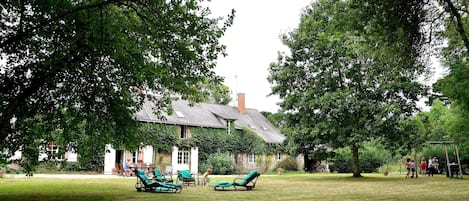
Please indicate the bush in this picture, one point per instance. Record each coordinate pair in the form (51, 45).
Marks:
(371, 156)
(219, 163)
(289, 163)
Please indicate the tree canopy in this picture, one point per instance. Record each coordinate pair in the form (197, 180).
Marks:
(352, 73)
(216, 93)
(79, 70)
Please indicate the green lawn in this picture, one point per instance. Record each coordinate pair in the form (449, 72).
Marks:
(285, 187)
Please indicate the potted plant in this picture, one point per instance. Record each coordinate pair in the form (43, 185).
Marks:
(386, 169)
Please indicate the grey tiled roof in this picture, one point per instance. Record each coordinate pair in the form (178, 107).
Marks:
(213, 116)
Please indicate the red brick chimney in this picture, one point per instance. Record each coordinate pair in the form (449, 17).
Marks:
(241, 103)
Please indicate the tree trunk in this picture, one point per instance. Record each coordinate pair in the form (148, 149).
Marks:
(355, 161)
(308, 162)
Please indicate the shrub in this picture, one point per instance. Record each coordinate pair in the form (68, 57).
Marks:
(372, 156)
(342, 165)
(219, 163)
(288, 163)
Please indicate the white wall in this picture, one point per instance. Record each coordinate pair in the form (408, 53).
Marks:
(148, 154)
(109, 159)
(194, 161)
(16, 156)
(71, 156)
(174, 160)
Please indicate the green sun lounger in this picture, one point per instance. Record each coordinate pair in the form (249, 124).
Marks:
(248, 182)
(159, 177)
(185, 177)
(147, 185)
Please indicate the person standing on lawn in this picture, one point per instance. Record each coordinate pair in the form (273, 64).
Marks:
(412, 166)
(407, 166)
(423, 166)
(430, 166)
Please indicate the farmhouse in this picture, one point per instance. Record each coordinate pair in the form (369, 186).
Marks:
(187, 119)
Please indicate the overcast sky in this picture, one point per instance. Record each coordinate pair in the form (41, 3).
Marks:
(252, 44)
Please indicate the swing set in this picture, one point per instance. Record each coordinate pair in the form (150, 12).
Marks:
(454, 169)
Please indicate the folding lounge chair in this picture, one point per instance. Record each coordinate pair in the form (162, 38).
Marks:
(147, 185)
(185, 177)
(159, 177)
(248, 182)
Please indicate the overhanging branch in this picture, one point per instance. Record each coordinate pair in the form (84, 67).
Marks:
(25, 33)
(459, 25)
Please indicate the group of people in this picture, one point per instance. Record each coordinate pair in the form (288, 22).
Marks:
(427, 167)
(430, 166)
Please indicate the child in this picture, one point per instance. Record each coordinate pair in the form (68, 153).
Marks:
(206, 179)
(435, 165)
(407, 166)
(412, 168)
(430, 166)
(423, 166)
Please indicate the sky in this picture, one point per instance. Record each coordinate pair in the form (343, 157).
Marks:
(253, 42)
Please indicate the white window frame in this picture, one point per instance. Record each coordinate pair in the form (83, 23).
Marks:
(183, 157)
(53, 149)
(279, 156)
(251, 158)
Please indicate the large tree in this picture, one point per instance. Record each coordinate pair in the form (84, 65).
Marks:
(352, 73)
(78, 70)
(455, 53)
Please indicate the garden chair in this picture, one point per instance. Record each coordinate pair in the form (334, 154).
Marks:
(159, 177)
(147, 185)
(185, 177)
(248, 182)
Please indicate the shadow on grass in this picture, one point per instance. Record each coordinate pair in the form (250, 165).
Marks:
(50, 196)
(346, 177)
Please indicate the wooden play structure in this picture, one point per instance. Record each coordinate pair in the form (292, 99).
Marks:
(454, 168)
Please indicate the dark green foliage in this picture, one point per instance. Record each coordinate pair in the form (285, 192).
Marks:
(220, 164)
(162, 137)
(248, 141)
(244, 141)
(342, 84)
(372, 156)
(441, 123)
(85, 67)
(212, 141)
(288, 163)
(341, 165)
(271, 149)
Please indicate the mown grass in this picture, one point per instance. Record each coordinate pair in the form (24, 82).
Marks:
(285, 187)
